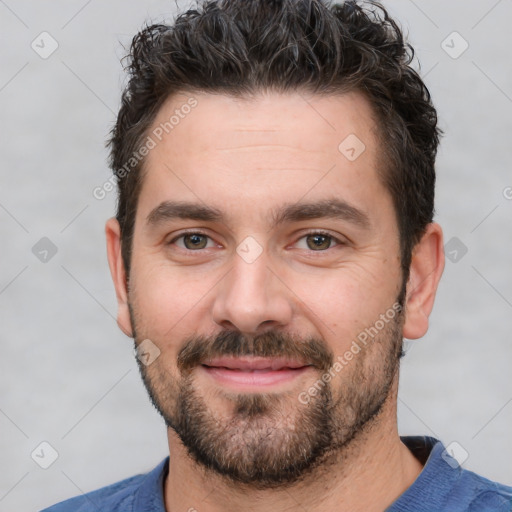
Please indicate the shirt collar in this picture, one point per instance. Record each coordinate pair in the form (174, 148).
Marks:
(438, 473)
(149, 497)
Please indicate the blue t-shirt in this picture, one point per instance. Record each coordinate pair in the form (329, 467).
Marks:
(442, 486)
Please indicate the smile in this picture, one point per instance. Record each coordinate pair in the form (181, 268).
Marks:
(252, 372)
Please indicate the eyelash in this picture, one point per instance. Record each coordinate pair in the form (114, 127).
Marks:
(326, 234)
(311, 233)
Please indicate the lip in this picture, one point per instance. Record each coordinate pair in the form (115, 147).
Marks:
(254, 363)
(253, 373)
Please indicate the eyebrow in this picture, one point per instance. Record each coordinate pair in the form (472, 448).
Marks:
(296, 212)
(170, 210)
(325, 208)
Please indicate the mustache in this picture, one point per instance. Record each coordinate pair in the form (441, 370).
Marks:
(197, 350)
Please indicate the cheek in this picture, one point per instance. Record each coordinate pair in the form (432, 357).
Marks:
(345, 303)
(167, 301)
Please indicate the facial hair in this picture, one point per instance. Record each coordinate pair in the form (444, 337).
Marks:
(270, 440)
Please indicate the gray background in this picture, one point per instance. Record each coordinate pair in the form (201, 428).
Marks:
(68, 375)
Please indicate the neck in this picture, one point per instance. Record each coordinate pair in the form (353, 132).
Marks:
(367, 475)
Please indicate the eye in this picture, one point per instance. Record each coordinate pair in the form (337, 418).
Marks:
(318, 241)
(193, 241)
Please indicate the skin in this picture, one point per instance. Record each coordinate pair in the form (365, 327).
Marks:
(246, 158)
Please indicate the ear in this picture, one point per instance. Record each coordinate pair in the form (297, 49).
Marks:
(117, 270)
(427, 266)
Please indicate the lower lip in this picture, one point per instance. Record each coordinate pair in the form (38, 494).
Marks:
(253, 379)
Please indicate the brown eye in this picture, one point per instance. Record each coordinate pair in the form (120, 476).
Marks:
(193, 241)
(318, 242)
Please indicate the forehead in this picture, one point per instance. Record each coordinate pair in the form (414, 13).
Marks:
(299, 120)
(217, 148)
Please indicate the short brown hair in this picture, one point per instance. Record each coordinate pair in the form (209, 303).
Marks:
(240, 47)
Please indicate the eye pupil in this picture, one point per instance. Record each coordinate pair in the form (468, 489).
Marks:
(194, 241)
(318, 242)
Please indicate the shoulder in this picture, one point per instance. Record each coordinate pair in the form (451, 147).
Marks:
(118, 497)
(444, 486)
(484, 495)
(110, 497)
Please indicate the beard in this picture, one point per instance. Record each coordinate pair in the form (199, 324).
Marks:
(268, 440)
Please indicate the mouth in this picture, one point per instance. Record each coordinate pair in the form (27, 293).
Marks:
(253, 372)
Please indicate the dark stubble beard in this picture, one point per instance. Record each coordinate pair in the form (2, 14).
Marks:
(270, 440)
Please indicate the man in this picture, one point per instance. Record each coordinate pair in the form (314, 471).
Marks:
(273, 244)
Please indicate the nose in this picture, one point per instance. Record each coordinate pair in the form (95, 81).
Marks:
(252, 299)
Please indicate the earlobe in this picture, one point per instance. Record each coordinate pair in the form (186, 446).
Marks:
(426, 268)
(117, 270)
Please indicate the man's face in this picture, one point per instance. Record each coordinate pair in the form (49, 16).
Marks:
(262, 250)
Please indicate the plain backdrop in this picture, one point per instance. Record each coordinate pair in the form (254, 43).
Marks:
(68, 376)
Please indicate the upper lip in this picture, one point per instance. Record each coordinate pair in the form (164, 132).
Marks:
(254, 363)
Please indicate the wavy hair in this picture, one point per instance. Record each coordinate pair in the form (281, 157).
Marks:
(241, 47)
